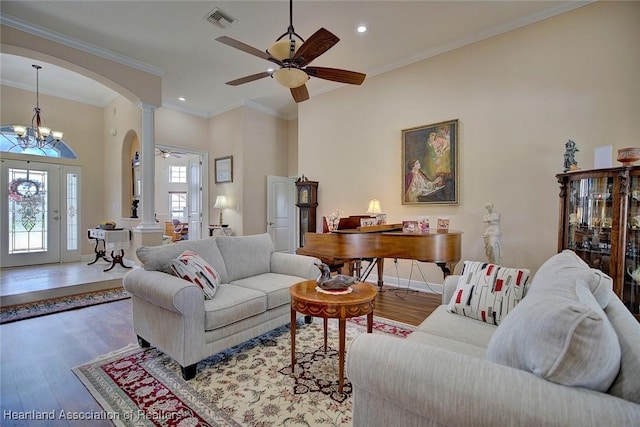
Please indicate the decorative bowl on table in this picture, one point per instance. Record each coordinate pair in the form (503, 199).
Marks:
(107, 225)
(628, 156)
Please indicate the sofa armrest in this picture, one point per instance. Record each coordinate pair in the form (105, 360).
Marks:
(449, 287)
(164, 290)
(453, 389)
(294, 265)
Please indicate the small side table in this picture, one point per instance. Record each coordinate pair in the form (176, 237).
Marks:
(306, 300)
(216, 230)
(116, 239)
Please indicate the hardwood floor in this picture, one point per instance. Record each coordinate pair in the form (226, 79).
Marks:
(37, 354)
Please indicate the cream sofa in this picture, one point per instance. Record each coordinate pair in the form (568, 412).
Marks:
(440, 375)
(253, 298)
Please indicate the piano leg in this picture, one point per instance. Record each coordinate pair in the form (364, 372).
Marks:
(380, 262)
(445, 269)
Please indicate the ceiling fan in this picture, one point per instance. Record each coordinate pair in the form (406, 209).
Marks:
(293, 54)
(165, 154)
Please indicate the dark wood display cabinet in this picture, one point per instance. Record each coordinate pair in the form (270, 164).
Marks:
(600, 221)
(307, 201)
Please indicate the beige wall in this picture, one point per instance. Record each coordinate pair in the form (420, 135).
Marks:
(226, 137)
(265, 153)
(292, 134)
(83, 131)
(259, 144)
(518, 97)
(132, 83)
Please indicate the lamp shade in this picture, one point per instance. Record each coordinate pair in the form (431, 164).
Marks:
(290, 77)
(221, 202)
(374, 207)
(282, 49)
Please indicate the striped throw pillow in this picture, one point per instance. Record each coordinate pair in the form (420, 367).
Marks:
(487, 292)
(190, 266)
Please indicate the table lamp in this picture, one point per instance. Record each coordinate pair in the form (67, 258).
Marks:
(374, 207)
(221, 203)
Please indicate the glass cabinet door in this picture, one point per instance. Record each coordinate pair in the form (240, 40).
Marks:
(591, 220)
(631, 283)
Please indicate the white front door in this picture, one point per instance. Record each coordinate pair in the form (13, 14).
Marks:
(281, 213)
(30, 218)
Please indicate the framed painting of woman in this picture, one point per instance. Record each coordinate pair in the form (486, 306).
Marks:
(430, 164)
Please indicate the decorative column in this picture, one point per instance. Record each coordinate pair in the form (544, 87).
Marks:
(148, 168)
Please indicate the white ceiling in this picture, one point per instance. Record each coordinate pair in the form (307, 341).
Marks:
(174, 39)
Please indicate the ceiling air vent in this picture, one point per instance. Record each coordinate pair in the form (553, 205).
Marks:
(220, 18)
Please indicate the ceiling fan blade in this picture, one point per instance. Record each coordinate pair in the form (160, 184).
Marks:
(300, 93)
(336, 75)
(319, 42)
(246, 48)
(248, 79)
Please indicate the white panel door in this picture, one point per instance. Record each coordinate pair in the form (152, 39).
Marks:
(31, 217)
(194, 202)
(281, 212)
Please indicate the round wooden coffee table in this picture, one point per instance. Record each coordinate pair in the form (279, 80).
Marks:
(305, 299)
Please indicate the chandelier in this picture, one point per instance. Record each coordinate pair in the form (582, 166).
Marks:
(38, 135)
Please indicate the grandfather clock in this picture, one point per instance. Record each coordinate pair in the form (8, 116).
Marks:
(307, 195)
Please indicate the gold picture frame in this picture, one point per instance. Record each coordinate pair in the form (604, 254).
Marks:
(430, 164)
(224, 169)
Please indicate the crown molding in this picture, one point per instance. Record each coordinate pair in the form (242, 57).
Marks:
(45, 33)
(482, 35)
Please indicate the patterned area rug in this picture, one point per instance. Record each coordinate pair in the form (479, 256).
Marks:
(248, 385)
(12, 313)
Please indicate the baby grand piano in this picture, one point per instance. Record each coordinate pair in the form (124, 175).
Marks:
(349, 245)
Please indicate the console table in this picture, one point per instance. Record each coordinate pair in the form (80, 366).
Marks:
(116, 239)
(216, 230)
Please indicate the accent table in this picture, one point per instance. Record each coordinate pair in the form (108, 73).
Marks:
(305, 299)
(115, 239)
(216, 230)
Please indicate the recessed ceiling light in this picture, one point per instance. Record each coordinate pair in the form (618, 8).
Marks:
(362, 29)
(182, 98)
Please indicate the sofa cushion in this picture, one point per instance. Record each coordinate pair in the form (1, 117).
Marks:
(449, 344)
(627, 383)
(568, 265)
(561, 335)
(190, 266)
(159, 258)
(458, 328)
(232, 304)
(455, 333)
(487, 292)
(275, 286)
(246, 256)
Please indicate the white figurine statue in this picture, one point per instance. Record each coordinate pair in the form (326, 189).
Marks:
(492, 235)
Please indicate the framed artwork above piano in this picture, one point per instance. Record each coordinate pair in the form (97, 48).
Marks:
(307, 201)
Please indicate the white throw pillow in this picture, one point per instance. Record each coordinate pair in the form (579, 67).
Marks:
(190, 266)
(487, 292)
(561, 335)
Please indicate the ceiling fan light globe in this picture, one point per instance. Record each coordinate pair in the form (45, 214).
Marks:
(280, 49)
(290, 77)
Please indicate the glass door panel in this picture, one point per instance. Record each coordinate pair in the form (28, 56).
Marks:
(591, 220)
(30, 203)
(631, 283)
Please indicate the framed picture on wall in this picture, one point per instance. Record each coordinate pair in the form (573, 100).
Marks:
(430, 164)
(224, 169)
